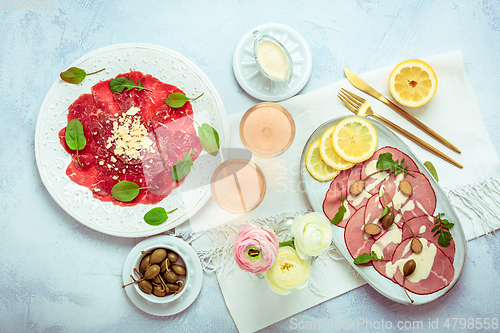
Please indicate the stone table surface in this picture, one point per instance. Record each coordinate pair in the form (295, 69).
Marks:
(58, 275)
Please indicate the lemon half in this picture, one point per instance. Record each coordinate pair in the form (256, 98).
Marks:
(413, 83)
(354, 139)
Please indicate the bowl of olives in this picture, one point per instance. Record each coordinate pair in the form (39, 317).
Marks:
(159, 273)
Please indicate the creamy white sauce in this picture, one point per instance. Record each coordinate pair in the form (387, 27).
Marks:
(379, 177)
(422, 229)
(421, 207)
(391, 236)
(410, 206)
(356, 200)
(347, 213)
(273, 60)
(424, 262)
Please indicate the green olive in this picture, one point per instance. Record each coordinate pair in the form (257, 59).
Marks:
(158, 256)
(152, 272)
(179, 270)
(172, 256)
(145, 286)
(144, 263)
(170, 276)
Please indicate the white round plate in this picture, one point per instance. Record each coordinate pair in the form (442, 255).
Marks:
(254, 82)
(52, 160)
(193, 267)
(316, 191)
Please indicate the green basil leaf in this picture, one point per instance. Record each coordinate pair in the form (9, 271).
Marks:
(75, 75)
(363, 259)
(75, 137)
(117, 85)
(339, 216)
(209, 139)
(432, 170)
(182, 167)
(125, 191)
(178, 99)
(157, 216)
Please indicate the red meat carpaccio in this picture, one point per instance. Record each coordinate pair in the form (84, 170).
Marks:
(133, 136)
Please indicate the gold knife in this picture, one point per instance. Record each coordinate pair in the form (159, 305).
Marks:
(364, 87)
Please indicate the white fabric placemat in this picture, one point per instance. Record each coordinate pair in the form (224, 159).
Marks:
(473, 190)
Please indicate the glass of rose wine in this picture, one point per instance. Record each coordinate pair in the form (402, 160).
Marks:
(267, 129)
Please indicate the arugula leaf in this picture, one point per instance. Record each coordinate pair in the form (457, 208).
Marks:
(125, 191)
(117, 85)
(384, 213)
(441, 227)
(178, 99)
(432, 170)
(75, 137)
(366, 258)
(182, 167)
(157, 216)
(75, 75)
(339, 216)
(385, 162)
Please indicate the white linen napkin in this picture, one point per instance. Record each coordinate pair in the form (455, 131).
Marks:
(473, 190)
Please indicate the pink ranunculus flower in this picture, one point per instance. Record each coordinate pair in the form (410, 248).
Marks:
(255, 248)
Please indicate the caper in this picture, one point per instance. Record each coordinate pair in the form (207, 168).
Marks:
(409, 267)
(372, 229)
(388, 219)
(158, 256)
(357, 187)
(159, 291)
(152, 272)
(144, 263)
(172, 256)
(416, 245)
(170, 276)
(145, 286)
(405, 187)
(172, 287)
(165, 264)
(179, 270)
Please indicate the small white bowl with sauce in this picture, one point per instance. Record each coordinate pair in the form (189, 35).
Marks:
(273, 59)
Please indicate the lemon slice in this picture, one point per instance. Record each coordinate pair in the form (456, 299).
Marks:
(316, 166)
(413, 83)
(329, 155)
(354, 139)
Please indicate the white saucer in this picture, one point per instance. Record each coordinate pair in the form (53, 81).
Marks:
(254, 82)
(193, 266)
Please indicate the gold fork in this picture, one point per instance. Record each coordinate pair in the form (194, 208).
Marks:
(361, 107)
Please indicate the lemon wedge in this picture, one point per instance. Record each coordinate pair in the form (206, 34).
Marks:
(328, 153)
(413, 83)
(316, 166)
(354, 139)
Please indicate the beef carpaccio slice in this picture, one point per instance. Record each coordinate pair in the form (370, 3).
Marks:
(434, 270)
(422, 227)
(170, 132)
(333, 198)
(356, 240)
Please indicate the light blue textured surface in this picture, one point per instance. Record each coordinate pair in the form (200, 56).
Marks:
(57, 275)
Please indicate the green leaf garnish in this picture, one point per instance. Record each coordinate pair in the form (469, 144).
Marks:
(366, 258)
(178, 99)
(432, 170)
(74, 136)
(209, 137)
(75, 75)
(385, 162)
(384, 213)
(125, 191)
(339, 216)
(157, 216)
(182, 167)
(117, 85)
(441, 227)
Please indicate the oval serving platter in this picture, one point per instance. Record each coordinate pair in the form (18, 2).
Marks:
(316, 191)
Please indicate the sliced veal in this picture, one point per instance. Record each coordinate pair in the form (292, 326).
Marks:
(356, 240)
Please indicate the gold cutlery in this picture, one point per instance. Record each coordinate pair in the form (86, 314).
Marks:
(364, 87)
(362, 107)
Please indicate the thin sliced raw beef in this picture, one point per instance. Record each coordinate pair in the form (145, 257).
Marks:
(132, 98)
(421, 227)
(356, 240)
(384, 246)
(373, 183)
(433, 272)
(104, 99)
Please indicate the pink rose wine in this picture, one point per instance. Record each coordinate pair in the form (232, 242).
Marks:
(238, 185)
(267, 129)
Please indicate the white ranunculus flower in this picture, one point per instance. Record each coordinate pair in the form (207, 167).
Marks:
(312, 234)
(289, 272)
